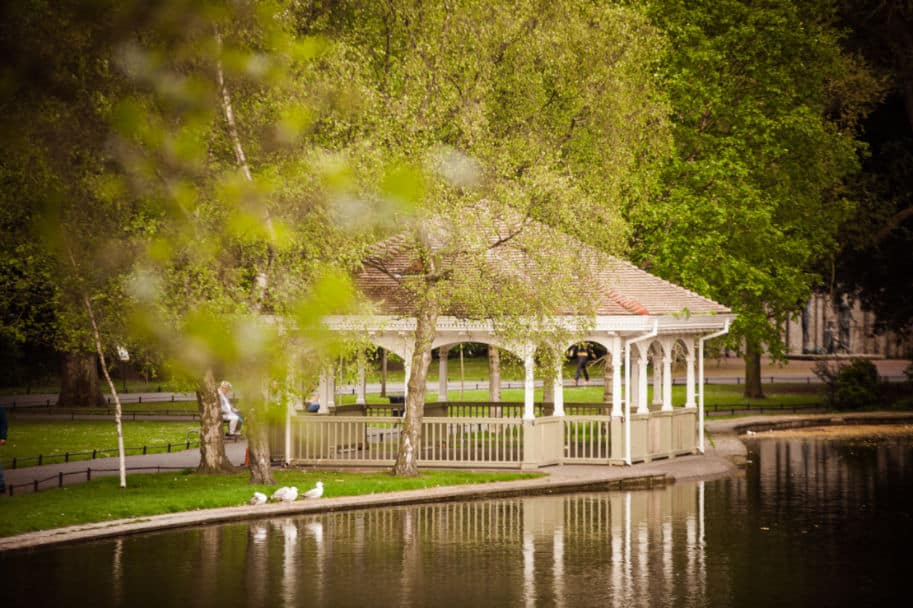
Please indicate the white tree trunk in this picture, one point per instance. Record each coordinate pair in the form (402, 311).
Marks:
(121, 457)
(406, 464)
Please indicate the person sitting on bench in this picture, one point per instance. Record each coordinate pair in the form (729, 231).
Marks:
(229, 413)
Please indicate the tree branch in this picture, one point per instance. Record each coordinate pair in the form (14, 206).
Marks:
(263, 277)
(896, 220)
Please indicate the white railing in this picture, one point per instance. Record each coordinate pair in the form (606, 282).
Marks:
(587, 439)
(488, 442)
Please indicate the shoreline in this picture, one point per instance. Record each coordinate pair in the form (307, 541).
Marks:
(725, 454)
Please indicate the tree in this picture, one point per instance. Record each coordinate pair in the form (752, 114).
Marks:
(212, 141)
(765, 110)
(498, 122)
(68, 224)
(54, 122)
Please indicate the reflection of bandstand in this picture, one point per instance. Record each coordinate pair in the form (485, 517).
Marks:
(639, 319)
(617, 548)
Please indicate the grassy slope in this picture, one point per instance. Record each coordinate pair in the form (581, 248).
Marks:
(150, 494)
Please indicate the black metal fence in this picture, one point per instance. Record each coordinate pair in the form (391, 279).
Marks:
(26, 401)
(73, 413)
(56, 481)
(43, 459)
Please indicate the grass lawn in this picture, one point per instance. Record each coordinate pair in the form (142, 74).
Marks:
(151, 494)
(53, 438)
(715, 395)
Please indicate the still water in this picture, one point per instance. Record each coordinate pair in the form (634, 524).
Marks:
(812, 522)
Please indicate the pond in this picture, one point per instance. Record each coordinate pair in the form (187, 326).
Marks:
(813, 521)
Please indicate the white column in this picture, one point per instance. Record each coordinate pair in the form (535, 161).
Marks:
(700, 395)
(689, 371)
(634, 384)
(642, 383)
(331, 388)
(323, 396)
(667, 375)
(558, 390)
(442, 373)
(360, 397)
(294, 398)
(627, 411)
(616, 376)
(659, 360)
(558, 565)
(529, 413)
(529, 568)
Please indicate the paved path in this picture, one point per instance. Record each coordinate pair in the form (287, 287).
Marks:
(75, 472)
(724, 455)
(723, 371)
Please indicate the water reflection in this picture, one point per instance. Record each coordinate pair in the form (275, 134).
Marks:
(555, 550)
(810, 523)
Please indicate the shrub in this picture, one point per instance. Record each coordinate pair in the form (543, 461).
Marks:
(856, 385)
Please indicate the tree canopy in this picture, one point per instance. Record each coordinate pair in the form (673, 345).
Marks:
(765, 109)
(502, 117)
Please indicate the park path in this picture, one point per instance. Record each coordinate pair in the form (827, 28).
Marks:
(717, 371)
(75, 472)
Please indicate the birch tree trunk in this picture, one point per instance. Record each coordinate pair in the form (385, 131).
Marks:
(406, 464)
(118, 423)
(257, 429)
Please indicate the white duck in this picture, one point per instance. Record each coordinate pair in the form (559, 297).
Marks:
(315, 492)
(259, 498)
(285, 494)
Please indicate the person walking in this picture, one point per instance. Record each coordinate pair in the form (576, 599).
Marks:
(582, 352)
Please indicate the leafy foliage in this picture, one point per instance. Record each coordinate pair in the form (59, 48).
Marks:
(852, 385)
(504, 119)
(765, 106)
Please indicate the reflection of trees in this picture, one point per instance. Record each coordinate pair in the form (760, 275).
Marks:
(810, 475)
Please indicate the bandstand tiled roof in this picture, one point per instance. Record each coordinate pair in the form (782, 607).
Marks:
(617, 286)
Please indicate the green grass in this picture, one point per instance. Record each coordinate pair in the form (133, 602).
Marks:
(163, 407)
(53, 438)
(151, 494)
(728, 395)
(133, 386)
